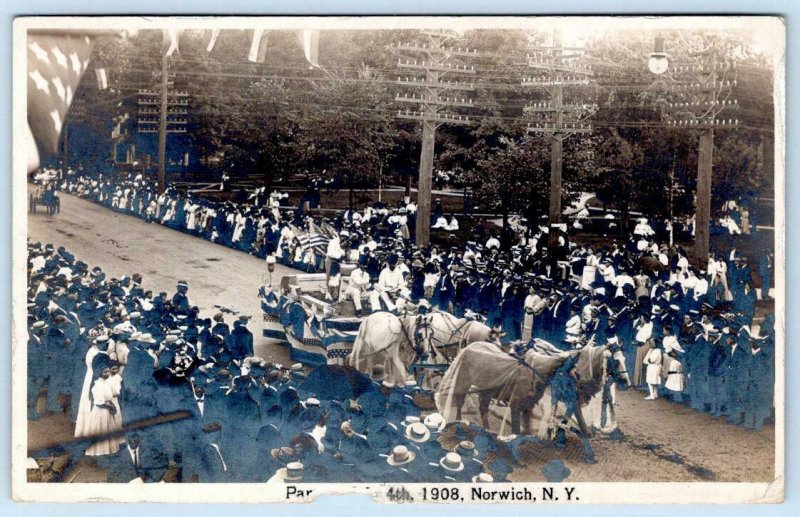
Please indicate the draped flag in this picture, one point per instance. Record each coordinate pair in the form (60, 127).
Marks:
(56, 63)
(309, 39)
(258, 47)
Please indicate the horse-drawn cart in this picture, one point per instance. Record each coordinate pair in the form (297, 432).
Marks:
(46, 198)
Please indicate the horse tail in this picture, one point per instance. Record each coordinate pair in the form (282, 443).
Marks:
(358, 344)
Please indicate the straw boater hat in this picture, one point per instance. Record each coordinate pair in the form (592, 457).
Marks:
(294, 471)
(410, 419)
(452, 462)
(435, 422)
(483, 477)
(400, 456)
(418, 432)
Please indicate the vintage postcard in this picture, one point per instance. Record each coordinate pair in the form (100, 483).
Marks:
(430, 259)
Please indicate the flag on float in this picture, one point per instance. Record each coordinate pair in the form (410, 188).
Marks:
(258, 47)
(312, 239)
(338, 336)
(56, 63)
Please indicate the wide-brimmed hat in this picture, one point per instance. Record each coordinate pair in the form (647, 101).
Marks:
(281, 452)
(418, 432)
(483, 477)
(466, 448)
(346, 428)
(135, 336)
(400, 456)
(146, 338)
(435, 422)
(378, 372)
(452, 462)
(294, 471)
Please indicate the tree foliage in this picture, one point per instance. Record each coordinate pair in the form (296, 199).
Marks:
(274, 120)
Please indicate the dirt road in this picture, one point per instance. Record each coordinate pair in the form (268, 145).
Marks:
(659, 441)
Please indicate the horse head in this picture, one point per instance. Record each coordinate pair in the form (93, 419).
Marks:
(495, 334)
(422, 339)
(619, 372)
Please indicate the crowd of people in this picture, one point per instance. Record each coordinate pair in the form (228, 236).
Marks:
(117, 356)
(688, 333)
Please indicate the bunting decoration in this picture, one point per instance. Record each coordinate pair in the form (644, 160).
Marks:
(309, 38)
(258, 47)
(213, 40)
(170, 41)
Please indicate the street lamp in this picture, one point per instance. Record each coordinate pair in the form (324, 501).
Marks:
(658, 61)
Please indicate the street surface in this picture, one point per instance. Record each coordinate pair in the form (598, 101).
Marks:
(659, 441)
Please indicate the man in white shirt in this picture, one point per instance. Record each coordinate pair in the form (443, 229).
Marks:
(392, 285)
(358, 287)
(621, 280)
(333, 253)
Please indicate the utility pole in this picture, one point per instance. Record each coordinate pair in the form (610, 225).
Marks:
(436, 64)
(172, 108)
(162, 127)
(560, 120)
(708, 95)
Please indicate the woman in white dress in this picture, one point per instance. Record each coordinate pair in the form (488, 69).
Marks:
(675, 380)
(589, 270)
(115, 381)
(653, 361)
(85, 404)
(103, 418)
